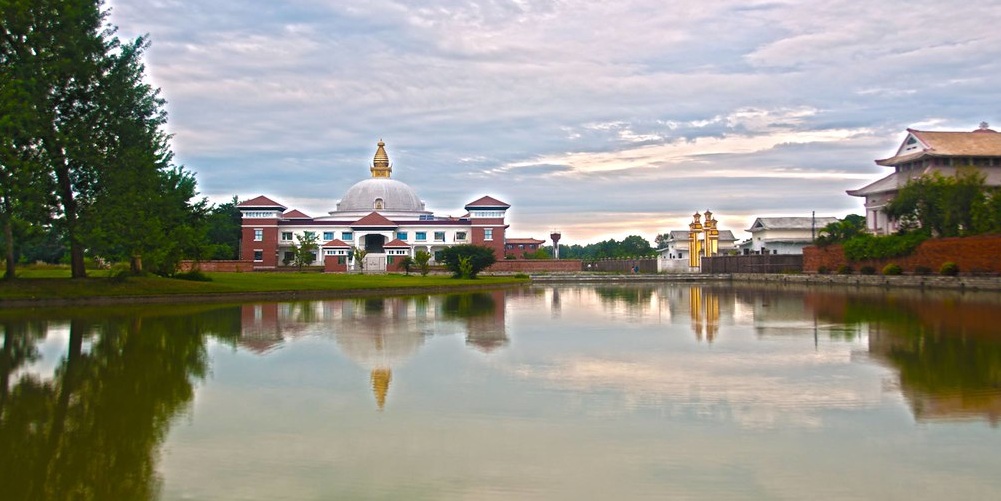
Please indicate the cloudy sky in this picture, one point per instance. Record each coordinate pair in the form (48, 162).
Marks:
(601, 119)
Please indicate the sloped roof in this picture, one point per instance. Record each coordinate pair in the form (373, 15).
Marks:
(336, 243)
(978, 143)
(375, 220)
(396, 243)
(487, 202)
(261, 201)
(294, 214)
(724, 235)
(790, 223)
(524, 241)
(897, 180)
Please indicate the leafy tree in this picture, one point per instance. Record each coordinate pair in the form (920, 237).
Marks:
(407, 263)
(944, 206)
(423, 260)
(842, 230)
(305, 251)
(467, 260)
(661, 240)
(360, 254)
(223, 230)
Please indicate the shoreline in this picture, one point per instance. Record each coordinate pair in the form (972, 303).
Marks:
(959, 283)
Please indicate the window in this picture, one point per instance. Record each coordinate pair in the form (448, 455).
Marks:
(486, 213)
(308, 234)
(488, 234)
(379, 204)
(258, 214)
(286, 235)
(460, 236)
(340, 259)
(289, 257)
(389, 259)
(402, 235)
(347, 235)
(421, 236)
(439, 236)
(258, 255)
(328, 236)
(329, 252)
(258, 234)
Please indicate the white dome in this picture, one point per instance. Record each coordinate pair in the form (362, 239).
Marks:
(381, 195)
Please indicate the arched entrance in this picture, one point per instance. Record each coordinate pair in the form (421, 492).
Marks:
(374, 243)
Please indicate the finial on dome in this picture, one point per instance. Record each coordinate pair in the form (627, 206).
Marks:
(380, 164)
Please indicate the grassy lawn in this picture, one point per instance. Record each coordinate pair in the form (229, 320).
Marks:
(54, 283)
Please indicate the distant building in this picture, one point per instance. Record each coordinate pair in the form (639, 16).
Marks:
(783, 235)
(519, 246)
(674, 256)
(924, 152)
(380, 215)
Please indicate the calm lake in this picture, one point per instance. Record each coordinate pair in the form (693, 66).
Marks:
(667, 391)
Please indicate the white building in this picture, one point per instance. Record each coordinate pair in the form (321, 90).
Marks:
(783, 235)
(924, 152)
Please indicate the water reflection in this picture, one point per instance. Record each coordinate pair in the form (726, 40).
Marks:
(379, 333)
(90, 427)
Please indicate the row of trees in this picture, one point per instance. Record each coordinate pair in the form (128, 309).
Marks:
(631, 246)
(84, 158)
(948, 206)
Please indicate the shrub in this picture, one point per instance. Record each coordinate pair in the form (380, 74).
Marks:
(422, 259)
(823, 270)
(867, 270)
(922, 270)
(521, 275)
(467, 260)
(892, 269)
(867, 246)
(845, 269)
(949, 269)
(193, 275)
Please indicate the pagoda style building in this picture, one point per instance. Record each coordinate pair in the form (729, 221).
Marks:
(925, 152)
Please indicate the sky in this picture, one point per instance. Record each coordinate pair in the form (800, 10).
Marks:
(595, 118)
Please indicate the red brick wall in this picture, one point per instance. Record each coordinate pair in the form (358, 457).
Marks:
(330, 264)
(222, 266)
(980, 254)
(269, 245)
(535, 265)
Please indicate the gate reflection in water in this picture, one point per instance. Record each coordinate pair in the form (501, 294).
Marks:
(662, 391)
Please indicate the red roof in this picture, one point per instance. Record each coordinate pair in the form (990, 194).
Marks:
(397, 243)
(294, 214)
(375, 220)
(260, 201)
(523, 241)
(487, 202)
(336, 243)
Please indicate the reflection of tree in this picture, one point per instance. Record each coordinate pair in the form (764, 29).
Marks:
(631, 295)
(92, 431)
(468, 305)
(948, 352)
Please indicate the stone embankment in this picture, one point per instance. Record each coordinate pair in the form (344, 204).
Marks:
(972, 283)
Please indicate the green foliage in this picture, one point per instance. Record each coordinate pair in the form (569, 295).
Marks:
(223, 226)
(952, 206)
(845, 269)
(541, 253)
(867, 270)
(892, 269)
(840, 231)
(467, 260)
(423, 260)
(408, 264)
(949, 269)
(866, 246)
(359, 255)
(304, 252)
(193, 275)
(631, 246)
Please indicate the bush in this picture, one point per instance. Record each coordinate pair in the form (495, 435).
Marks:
(467, 260)
(949, 269)
(193, 275)
(823, 270)
(521, 275)
(922, 270)
(892, 269)
(867, 246)
(845, 269)
(867, 270)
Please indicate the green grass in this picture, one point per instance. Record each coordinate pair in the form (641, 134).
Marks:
(51, 283)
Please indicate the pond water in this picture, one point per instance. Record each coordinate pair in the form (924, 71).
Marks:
(672, 391)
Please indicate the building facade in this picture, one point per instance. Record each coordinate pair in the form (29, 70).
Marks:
(783, 235)
(380, 215)
(925, 152)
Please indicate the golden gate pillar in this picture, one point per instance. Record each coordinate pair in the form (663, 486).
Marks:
(695, 242)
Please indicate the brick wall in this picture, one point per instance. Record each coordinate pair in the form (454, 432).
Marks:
(535, 265)
(980, 254)
(220, 266)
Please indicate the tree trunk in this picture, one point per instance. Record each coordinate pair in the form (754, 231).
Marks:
(136, 264)
(8, 236)
(65, 191)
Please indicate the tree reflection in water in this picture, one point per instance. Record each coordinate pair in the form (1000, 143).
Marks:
(92, 430)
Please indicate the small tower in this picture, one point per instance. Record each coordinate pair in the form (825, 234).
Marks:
(555, 236)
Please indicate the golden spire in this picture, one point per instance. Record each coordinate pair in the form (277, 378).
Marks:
(380, 384)
(380, 164)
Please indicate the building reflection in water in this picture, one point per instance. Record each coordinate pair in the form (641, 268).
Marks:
(379, 333)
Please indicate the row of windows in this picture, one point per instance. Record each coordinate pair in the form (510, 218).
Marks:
(419, 236)
(260, 214)
(486, 213)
